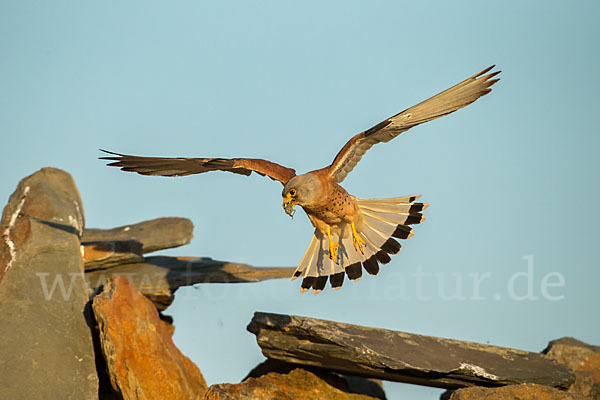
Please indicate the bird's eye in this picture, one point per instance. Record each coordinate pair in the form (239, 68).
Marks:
(293, 192)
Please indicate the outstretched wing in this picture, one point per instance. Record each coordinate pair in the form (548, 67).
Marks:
(439, 105)
(163, 166)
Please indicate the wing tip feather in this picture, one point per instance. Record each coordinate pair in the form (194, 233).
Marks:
(486, 70)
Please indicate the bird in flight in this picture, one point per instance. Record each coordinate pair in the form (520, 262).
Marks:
(350, 233)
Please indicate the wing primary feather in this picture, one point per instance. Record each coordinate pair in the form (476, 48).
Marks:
(444, 103)
(178, 166)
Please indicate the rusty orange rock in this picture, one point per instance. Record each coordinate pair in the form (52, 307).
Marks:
(142, 360)
(299, 384)
(584, 359)
(528, 391)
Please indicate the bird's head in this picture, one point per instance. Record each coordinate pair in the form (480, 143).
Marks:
(301, 190)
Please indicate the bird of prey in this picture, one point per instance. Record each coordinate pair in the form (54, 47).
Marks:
(350, 233)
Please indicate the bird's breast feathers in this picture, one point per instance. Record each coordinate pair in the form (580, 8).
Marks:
(337, 207)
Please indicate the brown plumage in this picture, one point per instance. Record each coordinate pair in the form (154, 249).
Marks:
(351, 234)
(165, 166)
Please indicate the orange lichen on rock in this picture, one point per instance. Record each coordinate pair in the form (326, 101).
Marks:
(142, 360)
(527, 391)
(299, 384)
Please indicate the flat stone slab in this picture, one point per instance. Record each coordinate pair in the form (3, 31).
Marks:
(159, 277)
(104, 248)
(102, 255)
(400, 356)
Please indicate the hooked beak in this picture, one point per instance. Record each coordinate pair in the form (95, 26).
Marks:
(288, 205)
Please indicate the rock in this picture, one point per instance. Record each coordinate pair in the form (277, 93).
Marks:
(155, 234)
(584, 359)
(347, 383)
(168, 321)
(400, 356)
(298, 384)
(527, 391)
(368, 386)
(143, 362)
(105, 388)
(159, 277)
(100, 255)
(46, 349)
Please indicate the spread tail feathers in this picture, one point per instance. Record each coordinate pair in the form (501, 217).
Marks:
(379, 222)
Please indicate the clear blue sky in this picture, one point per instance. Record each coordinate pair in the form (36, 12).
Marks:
(512, 179)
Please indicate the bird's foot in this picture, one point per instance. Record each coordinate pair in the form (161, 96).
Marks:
(357, 240)
(333, 246)
(333, 253)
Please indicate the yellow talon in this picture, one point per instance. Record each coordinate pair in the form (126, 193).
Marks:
(357, 240)
(333, 246)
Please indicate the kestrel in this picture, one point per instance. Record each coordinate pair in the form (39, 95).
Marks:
(350, 233)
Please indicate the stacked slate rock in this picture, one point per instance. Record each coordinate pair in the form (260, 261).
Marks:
(80, 307)
(81, 319)
(46, 349)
